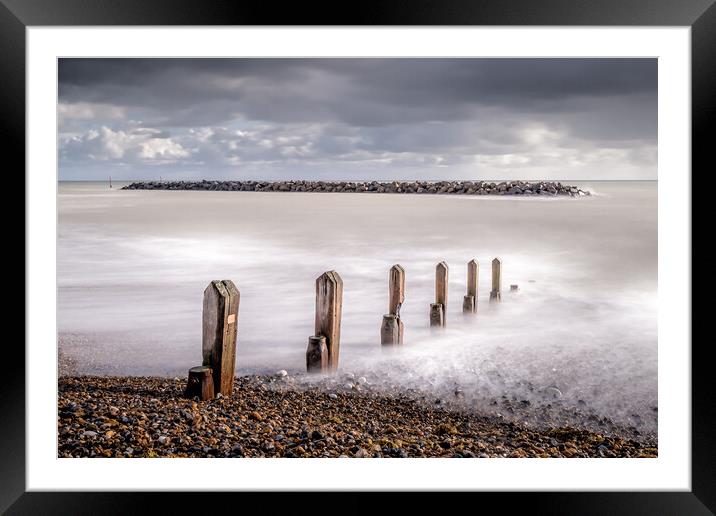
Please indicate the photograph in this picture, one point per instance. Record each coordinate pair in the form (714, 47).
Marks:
(357, 257)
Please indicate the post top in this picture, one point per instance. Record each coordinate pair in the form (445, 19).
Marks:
(442, 265)
(224, 287)
(330, 276)
(398, 267)
(472, 261)
(496, 260)
(230, 287)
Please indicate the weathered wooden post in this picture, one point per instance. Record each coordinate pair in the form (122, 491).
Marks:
(469, 304)
(438, 310)
(329, 308)
(496, 276)
(436, 315)
(219, 325)
(391, 330)
(317, 354)
(200, 384)
(396, 289)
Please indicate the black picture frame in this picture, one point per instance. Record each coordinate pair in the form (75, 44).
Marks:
(700, 15)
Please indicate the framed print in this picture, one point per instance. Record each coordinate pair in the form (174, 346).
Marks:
(263, 244)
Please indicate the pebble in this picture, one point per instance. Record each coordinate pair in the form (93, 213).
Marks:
(290, 420)
(553, 392)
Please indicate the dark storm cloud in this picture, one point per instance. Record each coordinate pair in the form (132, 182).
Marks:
(391, 111)
(466, 78)
(372, 91)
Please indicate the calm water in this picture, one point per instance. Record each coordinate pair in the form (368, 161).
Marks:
(132, 266)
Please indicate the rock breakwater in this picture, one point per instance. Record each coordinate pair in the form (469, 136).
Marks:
(525, 188)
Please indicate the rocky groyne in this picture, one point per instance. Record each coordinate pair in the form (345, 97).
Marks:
(526, 188)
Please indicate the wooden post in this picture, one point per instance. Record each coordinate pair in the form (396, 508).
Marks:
(392, 328)
(219, 325)
(496, 278)
(396, 288)
(469, 304)
(200, 383)
(329, 308)
(436, 315)
(391, 331)
(441, 293)
(317, 354)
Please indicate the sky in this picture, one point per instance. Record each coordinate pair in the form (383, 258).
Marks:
(357, 119)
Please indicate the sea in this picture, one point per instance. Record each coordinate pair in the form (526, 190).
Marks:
(575, 344)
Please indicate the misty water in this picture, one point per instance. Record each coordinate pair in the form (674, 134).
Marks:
(576, 344)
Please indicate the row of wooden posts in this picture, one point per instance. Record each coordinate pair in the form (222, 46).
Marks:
(220, 321)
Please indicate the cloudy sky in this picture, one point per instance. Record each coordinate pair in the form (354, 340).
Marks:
(580, 119)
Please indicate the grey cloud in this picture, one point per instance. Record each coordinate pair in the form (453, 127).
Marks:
(241, 116)
(356, 91)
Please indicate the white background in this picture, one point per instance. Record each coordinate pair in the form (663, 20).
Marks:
(671, 470)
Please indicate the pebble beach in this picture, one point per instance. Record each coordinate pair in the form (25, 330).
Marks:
(277, 416)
